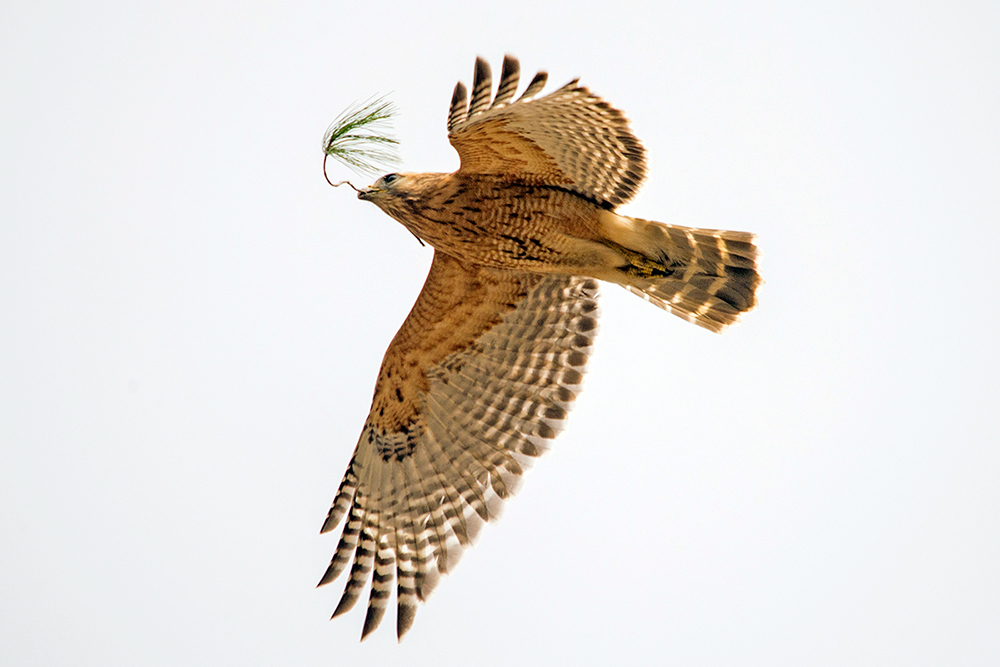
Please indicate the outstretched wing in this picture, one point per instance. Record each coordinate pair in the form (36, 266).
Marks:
(475, 384)
(570, 138)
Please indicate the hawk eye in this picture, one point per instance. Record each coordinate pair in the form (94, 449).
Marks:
(388, 179)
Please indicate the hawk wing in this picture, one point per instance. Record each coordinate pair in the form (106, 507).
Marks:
(475, 384)
(570, 139)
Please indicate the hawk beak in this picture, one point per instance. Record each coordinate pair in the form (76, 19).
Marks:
(366, 193)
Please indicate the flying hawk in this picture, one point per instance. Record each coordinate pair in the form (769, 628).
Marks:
(479, 378)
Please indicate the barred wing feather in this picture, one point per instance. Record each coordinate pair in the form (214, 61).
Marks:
(474, 386)
(570, 138)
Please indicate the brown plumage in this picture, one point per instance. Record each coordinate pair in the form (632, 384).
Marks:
(480, 377)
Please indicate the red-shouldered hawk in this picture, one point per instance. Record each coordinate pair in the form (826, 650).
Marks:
(480, 376)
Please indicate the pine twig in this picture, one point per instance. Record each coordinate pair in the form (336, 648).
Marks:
(358, 138)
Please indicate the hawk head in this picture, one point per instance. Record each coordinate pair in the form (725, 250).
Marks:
(403, 196)
(393, 193)
(384, 187)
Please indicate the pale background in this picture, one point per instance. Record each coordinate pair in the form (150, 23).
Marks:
(191, 322)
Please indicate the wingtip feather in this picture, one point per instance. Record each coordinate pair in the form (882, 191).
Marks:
(372, 620)
(405, 613)
(534, 87)
(482, 85)
(347, 602)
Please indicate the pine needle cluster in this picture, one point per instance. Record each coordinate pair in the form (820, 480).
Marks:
(358, 137)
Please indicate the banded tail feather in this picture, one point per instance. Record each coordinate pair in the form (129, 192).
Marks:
(708, 277)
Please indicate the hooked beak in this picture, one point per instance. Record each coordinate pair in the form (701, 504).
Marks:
(366, 193)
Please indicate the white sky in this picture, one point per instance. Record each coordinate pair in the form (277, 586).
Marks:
(191, 322)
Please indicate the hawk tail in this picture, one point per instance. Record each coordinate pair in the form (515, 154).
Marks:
(706, 276)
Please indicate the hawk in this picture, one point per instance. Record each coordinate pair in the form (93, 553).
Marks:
(481, 375)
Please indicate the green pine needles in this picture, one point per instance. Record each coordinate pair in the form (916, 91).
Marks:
(358, 137)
